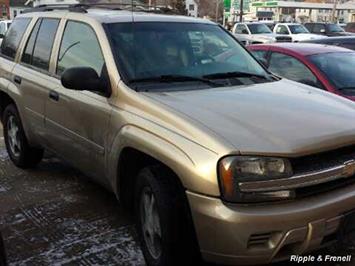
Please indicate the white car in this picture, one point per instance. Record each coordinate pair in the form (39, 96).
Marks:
(4, 26)
(296, 31)
(257, 33)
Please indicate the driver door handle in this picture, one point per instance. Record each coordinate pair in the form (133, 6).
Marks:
(17, 79)
(54, 96)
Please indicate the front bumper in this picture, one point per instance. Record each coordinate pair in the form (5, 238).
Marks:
(258, 234)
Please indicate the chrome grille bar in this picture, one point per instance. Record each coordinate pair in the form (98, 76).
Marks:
(345, 170)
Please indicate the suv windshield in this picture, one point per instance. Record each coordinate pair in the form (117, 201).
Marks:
(180, 52)
(334, 28)
(339, 69)
(259, 28)
(297, 29)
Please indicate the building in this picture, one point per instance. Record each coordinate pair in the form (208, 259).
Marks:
(5, 9)
(192, 8)
(305, 11)
(16, 7)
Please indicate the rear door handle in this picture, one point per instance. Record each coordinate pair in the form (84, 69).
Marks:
(54, 95)
(17, 79)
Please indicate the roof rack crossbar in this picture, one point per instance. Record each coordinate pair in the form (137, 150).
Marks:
(83, 7)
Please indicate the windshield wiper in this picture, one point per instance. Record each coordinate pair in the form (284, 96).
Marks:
(174, 78)
(226, 75)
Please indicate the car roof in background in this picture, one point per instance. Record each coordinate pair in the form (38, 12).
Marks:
(288, 23)
(104, 15)
(305, 48)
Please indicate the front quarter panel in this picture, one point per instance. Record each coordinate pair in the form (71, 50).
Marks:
(195, 168)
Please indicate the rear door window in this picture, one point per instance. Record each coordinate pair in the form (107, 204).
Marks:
(291, 68)
(319, 28)
(13, 37)
(260, 54)
(39, 45)
(27, 54)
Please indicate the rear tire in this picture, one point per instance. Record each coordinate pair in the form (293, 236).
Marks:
(163, 220)
(21, 154)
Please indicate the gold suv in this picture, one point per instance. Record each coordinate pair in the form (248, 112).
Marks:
(221, 160)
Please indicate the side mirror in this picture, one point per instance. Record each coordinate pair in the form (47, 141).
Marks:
(322, 31)
(81, 78)
(245, 31)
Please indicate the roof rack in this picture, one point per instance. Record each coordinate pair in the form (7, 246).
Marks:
(82, 8)
(44, 8)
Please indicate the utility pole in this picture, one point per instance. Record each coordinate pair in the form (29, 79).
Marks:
(217, 10)
(334, 10)
(241, 10)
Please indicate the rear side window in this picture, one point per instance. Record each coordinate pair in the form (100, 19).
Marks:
(260, 54)
(39, 45)
(318, 28)
(79, 48)
(291, 68)
(13, 37)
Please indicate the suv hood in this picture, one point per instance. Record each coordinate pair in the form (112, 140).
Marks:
(278, 118)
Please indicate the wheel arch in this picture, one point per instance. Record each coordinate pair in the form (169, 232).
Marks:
(5, 100)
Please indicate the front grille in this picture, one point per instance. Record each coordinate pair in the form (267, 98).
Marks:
(321, 161)
(325, 187)
(283, 39)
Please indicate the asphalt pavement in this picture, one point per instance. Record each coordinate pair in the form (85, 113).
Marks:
(53, 215)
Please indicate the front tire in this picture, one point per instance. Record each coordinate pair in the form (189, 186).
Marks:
(21, 154)
(163, 222)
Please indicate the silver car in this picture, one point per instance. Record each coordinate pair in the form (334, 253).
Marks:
(255, 33)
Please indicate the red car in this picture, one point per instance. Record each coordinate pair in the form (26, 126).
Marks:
(329, 68)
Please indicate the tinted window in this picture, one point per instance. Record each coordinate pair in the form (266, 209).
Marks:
(261, 55)
(257, 28)
(339, 69)
(13, 37)
(318, 28)
(291, 68)
(334, 28)
(282, 29)
(79, 47)
(297, 29)
(44, 42)
(241, 29)
(27, 54)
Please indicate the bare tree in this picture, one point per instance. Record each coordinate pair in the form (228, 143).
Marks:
(209, 8)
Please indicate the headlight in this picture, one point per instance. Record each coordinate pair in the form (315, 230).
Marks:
(235, 171)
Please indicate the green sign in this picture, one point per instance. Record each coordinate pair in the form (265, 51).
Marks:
(257, 4)
(265, 4)
(227, 5)
(236, 5)
(271, 4)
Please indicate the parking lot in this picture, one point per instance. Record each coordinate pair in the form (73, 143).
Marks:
(53, 215)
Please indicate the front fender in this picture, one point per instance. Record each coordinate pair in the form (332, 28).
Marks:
(194, 165)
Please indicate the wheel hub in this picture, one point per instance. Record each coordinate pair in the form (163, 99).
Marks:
(13, 136)
(150, 223)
